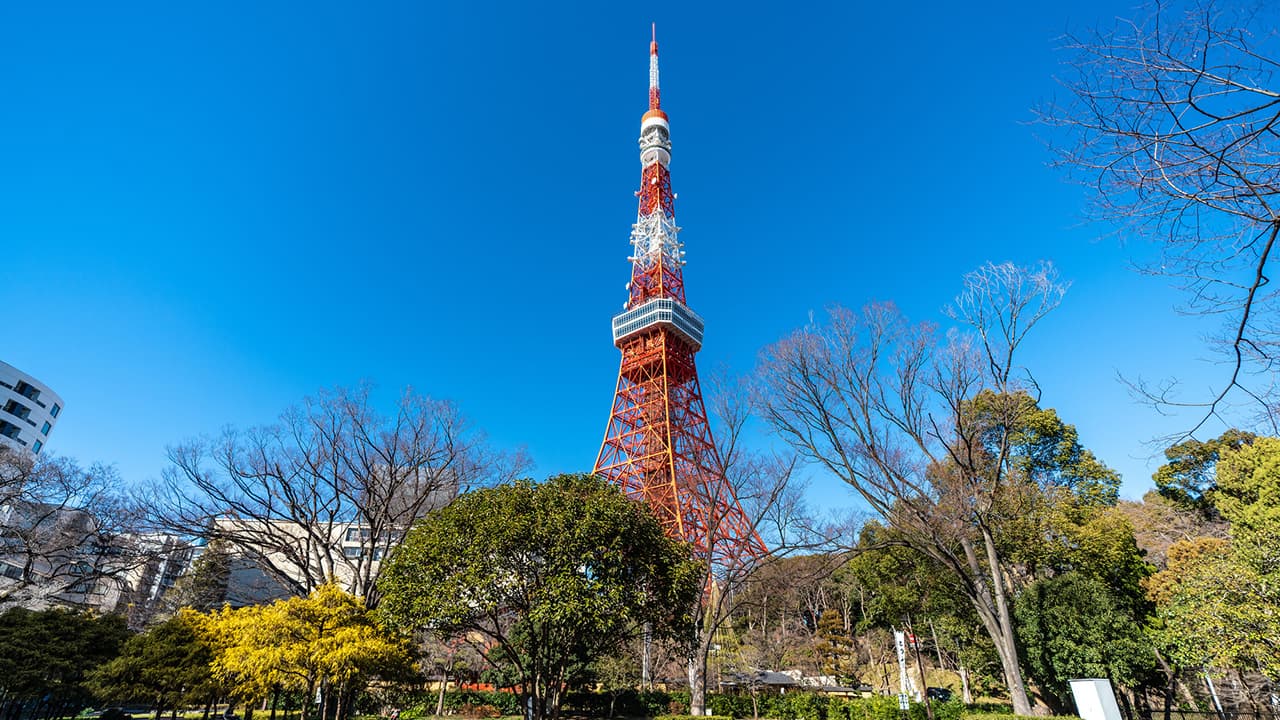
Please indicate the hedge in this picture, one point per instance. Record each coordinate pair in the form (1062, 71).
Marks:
(1011, 716)
(659, 705)
(456, 701)
(803, 705)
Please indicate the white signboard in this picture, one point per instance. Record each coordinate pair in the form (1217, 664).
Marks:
(1095, 699)
(900, 642)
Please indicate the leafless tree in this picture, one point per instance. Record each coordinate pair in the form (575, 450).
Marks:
(1159, 523)
(764, 484)
(1172, 122)
(328, 491)
(67, 533)
(889, 407)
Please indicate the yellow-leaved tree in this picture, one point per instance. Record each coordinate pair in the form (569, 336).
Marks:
(326, 641)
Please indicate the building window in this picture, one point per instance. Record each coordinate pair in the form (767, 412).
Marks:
(13, 572)
(27, 390)
(10, 430)
(351, 552)
(55, 410)
(36, 447)
(47, 427)
(17, 409)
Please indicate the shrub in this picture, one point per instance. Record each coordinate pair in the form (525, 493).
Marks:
(738, 706)
(812, 706)
(992, 708)
(1011, 716)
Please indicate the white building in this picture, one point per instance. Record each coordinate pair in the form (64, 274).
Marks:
(28, 410)
(57, 556)
(271, 560)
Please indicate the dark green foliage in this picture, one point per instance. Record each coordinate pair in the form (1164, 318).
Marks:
(1041, 447)
(1188, 478)
(552, 574)
(1073, 626)
(47, 654)
(893, 582)
(506, 703)
(1011, 716)
(655, 704)
(204, 586)
(629, 704)
(167, 666)
(812, 706)
(691, 717)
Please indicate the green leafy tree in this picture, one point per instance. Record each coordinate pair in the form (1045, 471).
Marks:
(615, 674)
(543, 577)
(1073, 626)
(327, 640)
(167, 666)
(204, 586)
(1249, 498)
(938, 434)
(47, 654)
(896, 583)
(1218, 601)
(1188, 477)
(837, 654)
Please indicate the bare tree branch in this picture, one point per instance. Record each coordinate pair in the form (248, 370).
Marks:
(921, 427)
(68, 535)
(1173, 123)
(329, 490)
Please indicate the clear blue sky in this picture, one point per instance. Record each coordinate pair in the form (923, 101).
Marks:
(211, 210)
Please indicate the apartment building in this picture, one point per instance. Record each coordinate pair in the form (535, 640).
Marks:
(28, 410)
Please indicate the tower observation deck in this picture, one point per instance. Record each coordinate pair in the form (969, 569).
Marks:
(657, 444)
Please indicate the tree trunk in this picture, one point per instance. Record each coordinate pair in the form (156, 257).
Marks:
(992, 605)
(937, 645)
(965, 693)
(924, 683)
(646, 659)
(698, 683)
(698, 673)
(308, 698)
(444, 682)
(1125, 708)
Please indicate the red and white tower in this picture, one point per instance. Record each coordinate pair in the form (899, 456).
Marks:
(658, 445)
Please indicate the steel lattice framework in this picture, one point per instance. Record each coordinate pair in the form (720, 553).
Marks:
(658, 445)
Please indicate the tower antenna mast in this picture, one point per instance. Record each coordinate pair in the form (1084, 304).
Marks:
(657, 444)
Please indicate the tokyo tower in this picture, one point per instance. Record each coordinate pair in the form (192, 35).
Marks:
(657, 445)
